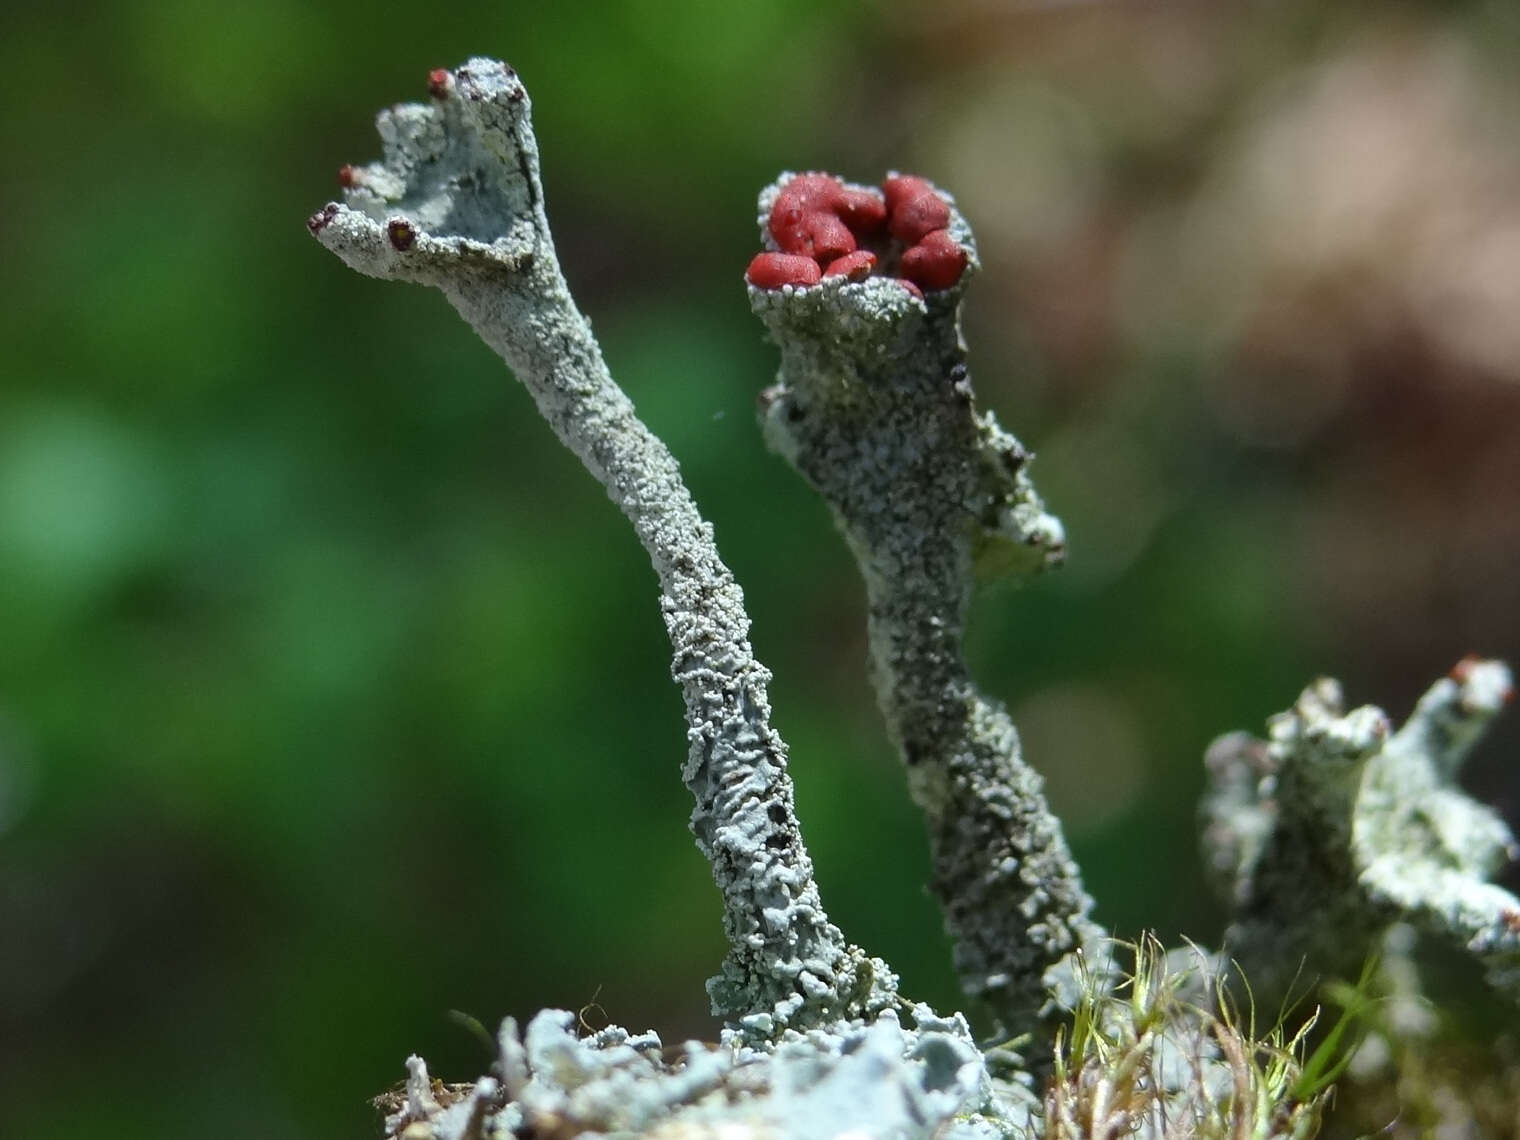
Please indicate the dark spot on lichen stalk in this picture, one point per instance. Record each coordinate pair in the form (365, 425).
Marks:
(401, 233)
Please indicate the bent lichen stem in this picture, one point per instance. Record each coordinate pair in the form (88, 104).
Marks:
(457, 204)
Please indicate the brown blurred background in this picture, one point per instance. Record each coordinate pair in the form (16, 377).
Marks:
(333, 696)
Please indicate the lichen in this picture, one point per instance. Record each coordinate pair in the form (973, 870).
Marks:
(874, 407)
(1335, 827)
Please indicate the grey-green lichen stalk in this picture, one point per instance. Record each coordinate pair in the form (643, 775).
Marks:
(1335, 827)
(874, 407)
(457, 204)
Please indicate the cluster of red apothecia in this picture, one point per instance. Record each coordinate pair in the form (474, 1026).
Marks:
(824, 229)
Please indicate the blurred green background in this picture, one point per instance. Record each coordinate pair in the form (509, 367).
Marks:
(334, 696)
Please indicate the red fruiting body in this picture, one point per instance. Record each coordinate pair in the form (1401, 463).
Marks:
(911, 288)
(817, 235)
(804, 218)
(816, 215)
(936, 262)
(438, 82)
(828, 238)
(856, 266)
(863, 211)
(773, 270)
(401, 233)
(810, 192)
(915, 208)
(919, 216)
(902, 188)
(347, 176)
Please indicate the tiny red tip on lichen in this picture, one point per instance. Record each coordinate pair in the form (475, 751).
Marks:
(911, 288)
(811, 192)
(773, 270)
(439, 81)
(829, 238)
(401, 233)
(347, 175)
(813, 235)
(817, 218)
